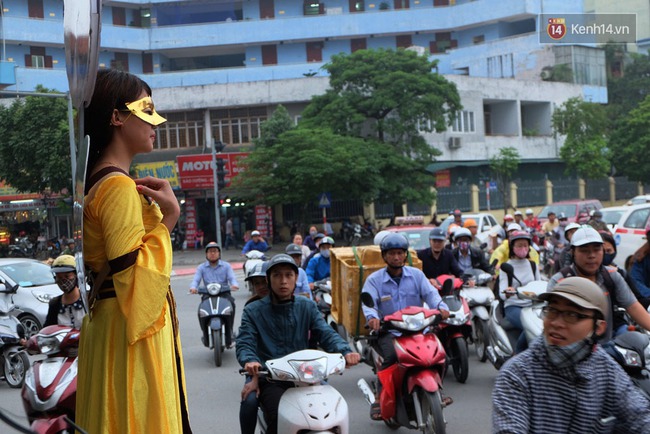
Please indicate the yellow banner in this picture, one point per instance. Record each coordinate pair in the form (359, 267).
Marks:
(159, 169)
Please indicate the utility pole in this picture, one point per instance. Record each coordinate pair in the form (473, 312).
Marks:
(218, 178)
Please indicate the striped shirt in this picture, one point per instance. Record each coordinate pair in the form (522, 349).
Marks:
(533, 396)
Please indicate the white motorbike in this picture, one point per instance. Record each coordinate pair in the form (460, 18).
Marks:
(253, 257)
(311, 407)
(479, 298)
(502, 336)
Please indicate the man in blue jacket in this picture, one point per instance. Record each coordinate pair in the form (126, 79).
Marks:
(280, 324)
(255, 243)
(319, 266)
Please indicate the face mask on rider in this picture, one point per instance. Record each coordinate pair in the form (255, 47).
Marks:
(464, 245)
(608, 258)
(521, 252)
(66, 285)
(325, 253)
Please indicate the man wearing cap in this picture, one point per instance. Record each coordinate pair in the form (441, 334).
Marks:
(587, 252)
(473, 228)
(558, 232)
(502, 253)
(458, 217)
(565, 258)
(280, 324)
(596, 222)
(550, 224)
(436, 260)
(302, 285)
(467, 256)
(565, 382)
(255, 243)
(519, 219)
(318, 267)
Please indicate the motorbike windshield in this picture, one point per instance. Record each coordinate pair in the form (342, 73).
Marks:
(453, 302)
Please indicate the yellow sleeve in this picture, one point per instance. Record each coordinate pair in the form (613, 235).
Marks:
(534, 256)
(141, 289)
(500, 254)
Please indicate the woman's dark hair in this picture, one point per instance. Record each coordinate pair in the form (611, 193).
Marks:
(608, 238)
(113, 90)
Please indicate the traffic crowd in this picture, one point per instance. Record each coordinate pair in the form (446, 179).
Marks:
(561, 382)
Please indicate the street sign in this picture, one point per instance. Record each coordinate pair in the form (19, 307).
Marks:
(325, 200)
(493, 185)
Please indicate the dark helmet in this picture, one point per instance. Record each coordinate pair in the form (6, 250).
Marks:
(293, 249)
(394, 241)
(437, 234)
(64, 264)
(281, 258)
(212, 245)
(518, 235)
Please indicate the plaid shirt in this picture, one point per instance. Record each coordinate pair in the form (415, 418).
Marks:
(533, 396)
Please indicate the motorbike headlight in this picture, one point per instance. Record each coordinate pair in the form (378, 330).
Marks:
(413, 322)
(48, 344)
(213, 288)
(43, 297)
(327, 298)
(310, 371)
(455, 321)
(632, 358)
(283, 375)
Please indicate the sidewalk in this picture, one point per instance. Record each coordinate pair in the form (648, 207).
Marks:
(186, 261)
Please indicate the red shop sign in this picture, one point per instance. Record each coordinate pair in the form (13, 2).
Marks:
(195, 172)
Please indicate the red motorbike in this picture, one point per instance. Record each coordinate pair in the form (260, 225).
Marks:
(455, 331)
(49, 392)
(411, 389)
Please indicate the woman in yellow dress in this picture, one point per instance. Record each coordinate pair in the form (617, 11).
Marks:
(131, 377)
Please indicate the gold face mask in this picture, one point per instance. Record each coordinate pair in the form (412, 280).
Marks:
(144, 109)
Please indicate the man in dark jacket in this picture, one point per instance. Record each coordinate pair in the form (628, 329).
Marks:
(468, 257)
(436, 260)
(280, 324)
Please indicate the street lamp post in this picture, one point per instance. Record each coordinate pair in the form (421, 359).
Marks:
(217, 146)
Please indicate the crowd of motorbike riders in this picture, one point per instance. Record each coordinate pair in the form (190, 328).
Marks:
(283, 286)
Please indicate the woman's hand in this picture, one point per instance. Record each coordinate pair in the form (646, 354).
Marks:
(510, 291)
(160, 191)
(249, 387)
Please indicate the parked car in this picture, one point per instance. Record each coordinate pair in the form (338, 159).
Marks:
(35, 287)
(630, 232)
(612, 215)
(576, 210)
(485, 222)
(638, 200)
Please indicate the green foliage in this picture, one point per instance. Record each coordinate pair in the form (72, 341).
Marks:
(585, 126)
(35, 146)
(626, 92)
(277, 124)
(630, 144)
(504, 165)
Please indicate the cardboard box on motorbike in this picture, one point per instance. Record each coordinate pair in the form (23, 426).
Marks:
(350, 267)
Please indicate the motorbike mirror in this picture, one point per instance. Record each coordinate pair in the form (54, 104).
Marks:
(367, 300)
(20, 331)
(3, 288)
(447, 287)
(483, 246)
(508, 269)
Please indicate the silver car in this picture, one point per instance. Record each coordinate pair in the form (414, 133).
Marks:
(34, 288)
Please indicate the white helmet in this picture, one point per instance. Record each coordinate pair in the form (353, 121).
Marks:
(585, 235)
(380, 236)
(514, 227)
(571, 226)
(462, 232)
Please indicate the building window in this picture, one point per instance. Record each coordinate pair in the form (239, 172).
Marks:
(34, 8)
(314, 51)
(120, 62)
(478, 39)
(464, 122)
(182, 130)
(501, 66)
(357, 6)
(237, 126)
(37, 58)
(38, 61)
(311, 7)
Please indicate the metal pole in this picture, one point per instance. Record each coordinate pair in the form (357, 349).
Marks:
(216, 193)
(73, 146)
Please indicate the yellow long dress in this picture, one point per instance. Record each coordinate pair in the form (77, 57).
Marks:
(131, 377)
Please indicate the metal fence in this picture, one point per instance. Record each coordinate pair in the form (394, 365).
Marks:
(625, 189)
(384, 210)
(339, 210)
(496, 199)
(597, 189)
(531, 193)
(565, 189)
(454, 197)
(419, 208)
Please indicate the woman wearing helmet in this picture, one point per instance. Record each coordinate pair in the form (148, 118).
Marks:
(318, 267)
(525, 271)
(66, 309)
(467, 256)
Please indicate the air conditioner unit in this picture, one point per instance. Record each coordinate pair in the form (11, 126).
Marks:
(454, 142)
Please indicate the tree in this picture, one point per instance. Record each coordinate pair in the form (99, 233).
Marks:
(278, 123)
(585, 126)
(504, 165)
(631, 142)
(392, 97)
(35, 146)
(302, 163)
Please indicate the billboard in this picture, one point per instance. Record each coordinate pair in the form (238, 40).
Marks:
(195, 172)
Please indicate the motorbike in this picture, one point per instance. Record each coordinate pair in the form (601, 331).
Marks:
(411, 392)
(14, 363)
(502, 336)
(547, 254)
(214, 312)
(312, 406)
(479, 298)
(323, 298)
(253, 257)
(22, 249)
(50, 389)
(455, 331)
(631, 350)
